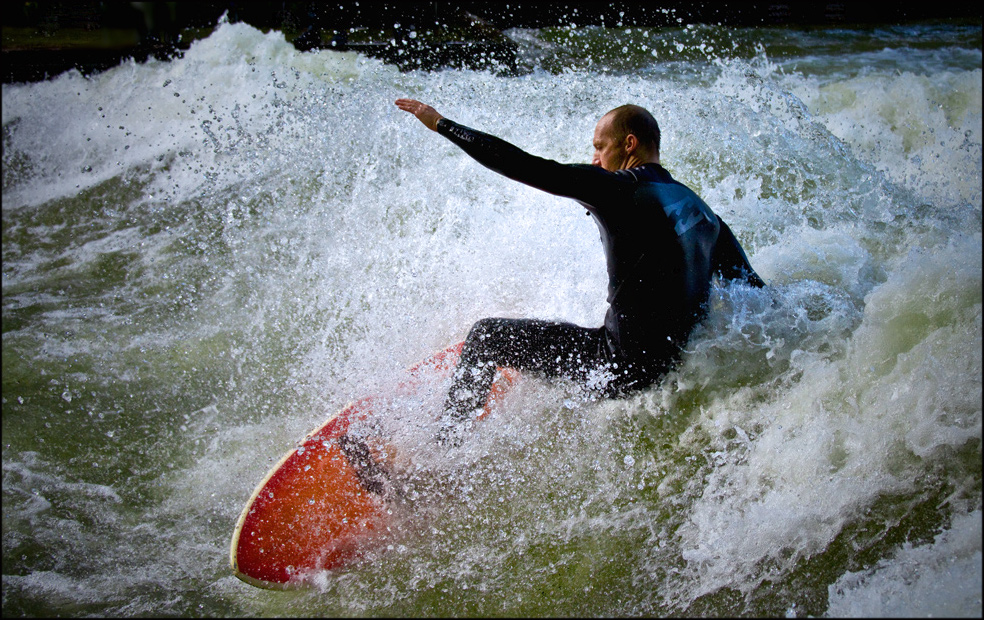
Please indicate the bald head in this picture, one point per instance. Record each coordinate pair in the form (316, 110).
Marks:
(635, 120)
(626, 137)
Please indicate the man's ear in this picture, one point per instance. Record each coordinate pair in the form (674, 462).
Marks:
(631, 144)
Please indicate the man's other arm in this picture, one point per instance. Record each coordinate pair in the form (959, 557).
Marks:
(729, 259)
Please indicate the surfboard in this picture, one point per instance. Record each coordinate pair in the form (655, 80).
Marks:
(326, 502)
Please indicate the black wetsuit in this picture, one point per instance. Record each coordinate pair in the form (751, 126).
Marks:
(663, 246)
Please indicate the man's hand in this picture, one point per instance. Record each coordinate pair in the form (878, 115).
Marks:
(426, 114)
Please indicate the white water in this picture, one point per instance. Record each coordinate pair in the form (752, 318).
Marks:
(203, 258)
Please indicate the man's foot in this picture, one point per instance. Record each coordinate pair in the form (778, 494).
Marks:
(450, 436)
(371, 473)
(453, 428)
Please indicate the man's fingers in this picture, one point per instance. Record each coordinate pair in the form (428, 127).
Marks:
(426, 114)
(409, 105)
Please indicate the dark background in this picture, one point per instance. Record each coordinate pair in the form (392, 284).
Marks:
(42, 39)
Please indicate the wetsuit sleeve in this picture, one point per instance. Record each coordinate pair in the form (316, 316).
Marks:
(729, 258)
(586, 183)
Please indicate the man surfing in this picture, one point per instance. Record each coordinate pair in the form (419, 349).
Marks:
(663, 246)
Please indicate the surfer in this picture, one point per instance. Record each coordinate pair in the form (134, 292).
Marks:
(663, 246)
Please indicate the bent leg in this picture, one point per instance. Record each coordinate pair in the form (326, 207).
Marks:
(553, 349)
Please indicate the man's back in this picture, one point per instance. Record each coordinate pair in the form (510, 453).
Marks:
(658, 245)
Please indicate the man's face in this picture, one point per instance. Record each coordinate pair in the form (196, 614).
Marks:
(608, 153)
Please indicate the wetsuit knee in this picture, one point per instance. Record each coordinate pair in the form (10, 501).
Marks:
(482, 329)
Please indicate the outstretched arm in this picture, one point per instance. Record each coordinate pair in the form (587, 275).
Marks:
(426, 114)
(588, 184)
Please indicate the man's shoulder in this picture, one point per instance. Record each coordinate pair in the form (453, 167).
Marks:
(627, 178)
(649, 173)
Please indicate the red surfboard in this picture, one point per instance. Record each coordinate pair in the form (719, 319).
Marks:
(324, 502)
